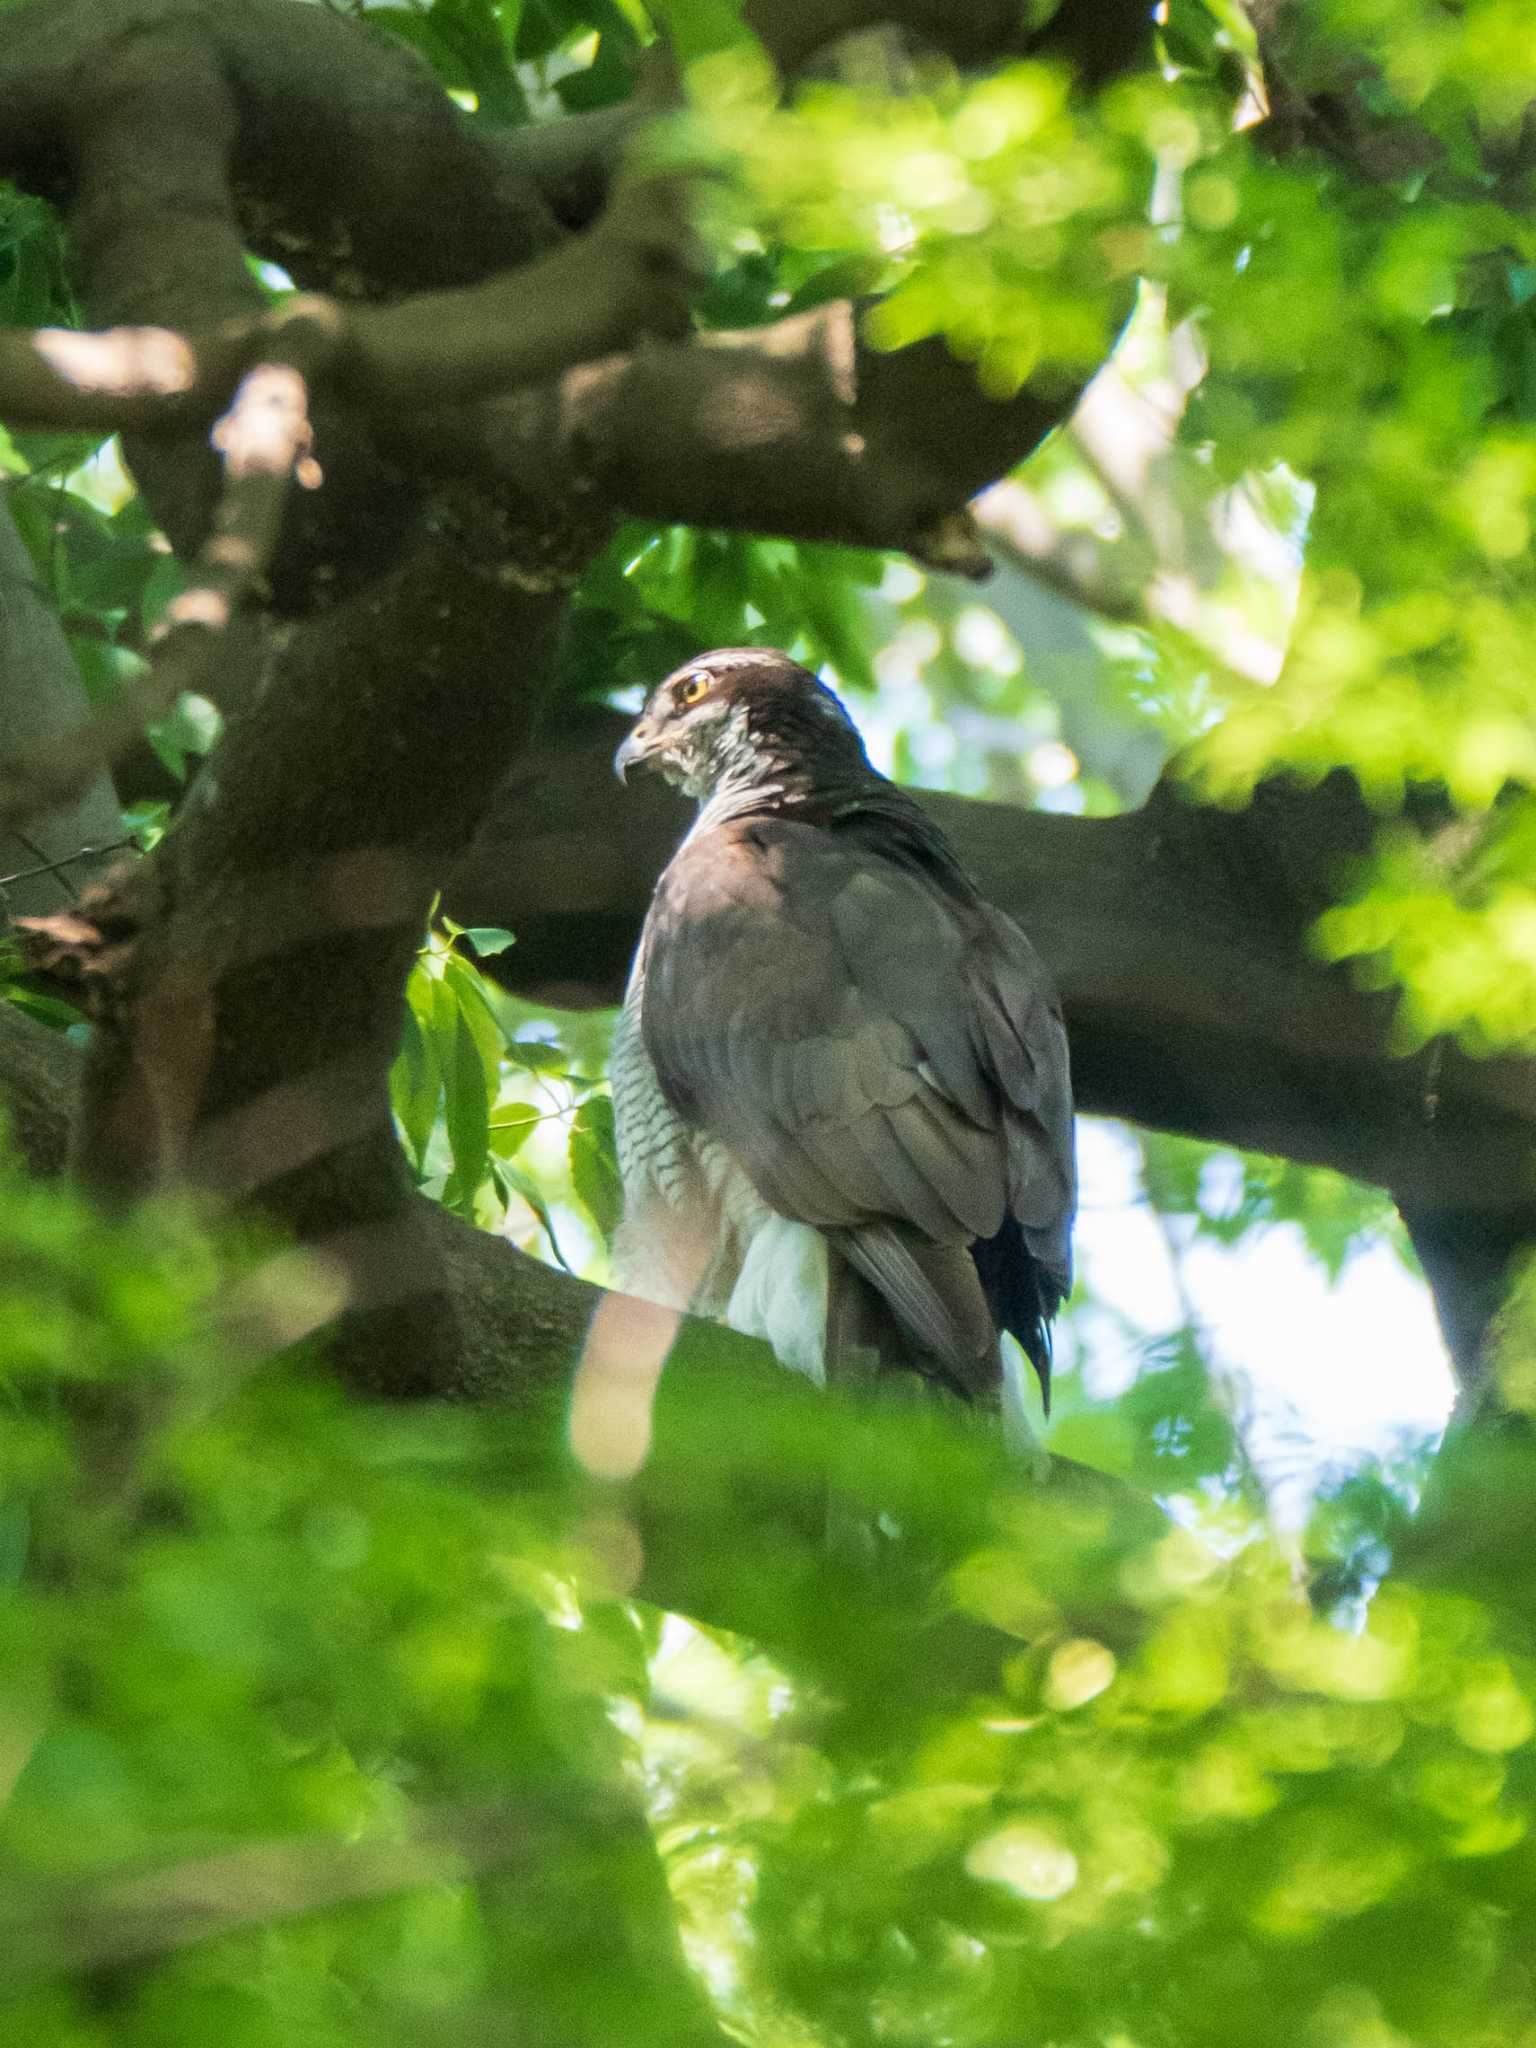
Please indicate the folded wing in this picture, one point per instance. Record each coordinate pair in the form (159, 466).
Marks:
(883, 1055)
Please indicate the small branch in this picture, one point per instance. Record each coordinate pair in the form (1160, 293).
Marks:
(259, 1884)
(264, 440)
(1073, 565)
(68, 860)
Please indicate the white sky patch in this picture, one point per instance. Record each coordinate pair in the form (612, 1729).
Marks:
(1331, 1372)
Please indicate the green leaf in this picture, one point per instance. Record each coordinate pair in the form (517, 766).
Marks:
(514, 1178)
(166, 580)
(697, 28)
(464, 980)
(466, 42)
(15, 1538)
(610, 76)
(594, 1163)
(107, 671)
(511, 1127)
(189, 730)
(466, 1111)
(416, 1086)
(487, 939)
(536, 1056)
(147, 822)
(49, 1010)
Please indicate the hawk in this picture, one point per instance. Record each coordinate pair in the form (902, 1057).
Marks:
(840, 1080)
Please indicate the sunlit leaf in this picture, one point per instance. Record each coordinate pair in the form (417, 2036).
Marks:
(594, 1163)
(466, 1112)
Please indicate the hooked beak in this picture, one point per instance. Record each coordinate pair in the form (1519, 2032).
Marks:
(634, 749)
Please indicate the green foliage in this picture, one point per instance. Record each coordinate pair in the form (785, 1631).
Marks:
(507, 59)
(260, 1641)
(988, 212)
(16, 988)
(33, 288)
(482, 1086)
(658, 595)
(234, 1609)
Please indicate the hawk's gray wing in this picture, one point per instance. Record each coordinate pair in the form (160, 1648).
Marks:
(880, 1052)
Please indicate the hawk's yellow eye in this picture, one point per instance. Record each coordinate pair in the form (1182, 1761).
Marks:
(696, 686)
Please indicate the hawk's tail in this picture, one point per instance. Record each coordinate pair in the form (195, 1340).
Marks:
(868, 1345)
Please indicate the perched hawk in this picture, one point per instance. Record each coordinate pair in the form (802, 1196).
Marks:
(840, 1078)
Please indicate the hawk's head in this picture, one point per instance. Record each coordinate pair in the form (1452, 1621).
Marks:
(741, 718)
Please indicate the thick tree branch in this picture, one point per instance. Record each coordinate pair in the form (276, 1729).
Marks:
(247, 981)
(351, 164)
(626, 278)
(573, 161)
(796, 429)
(213, 128)
(39, 1085)
(181, 112)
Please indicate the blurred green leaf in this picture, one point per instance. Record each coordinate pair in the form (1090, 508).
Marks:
(15, 1530)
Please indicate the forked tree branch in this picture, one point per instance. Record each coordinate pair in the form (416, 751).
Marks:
(797, 429)
(178, 93)
(626, 278)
